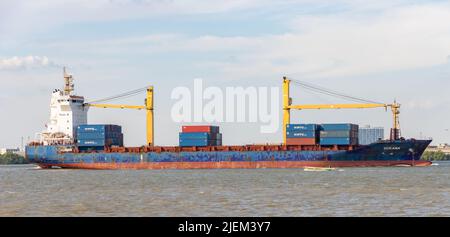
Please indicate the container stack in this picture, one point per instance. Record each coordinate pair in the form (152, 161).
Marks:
(339, 134)
(302, 134)
(98, 136)
(200, 136)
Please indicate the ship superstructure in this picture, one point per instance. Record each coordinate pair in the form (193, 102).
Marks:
(66, 113)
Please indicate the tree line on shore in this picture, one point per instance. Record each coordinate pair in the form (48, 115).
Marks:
(435, 155)
(12, 158)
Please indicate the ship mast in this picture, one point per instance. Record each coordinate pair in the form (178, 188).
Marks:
(68, 83)
(395, 130)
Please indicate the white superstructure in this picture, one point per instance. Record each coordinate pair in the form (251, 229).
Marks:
(66, 113)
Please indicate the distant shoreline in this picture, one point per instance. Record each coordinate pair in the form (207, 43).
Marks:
(12, 159)
(435, 156)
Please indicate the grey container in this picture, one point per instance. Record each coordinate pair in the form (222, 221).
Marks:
(338, 133)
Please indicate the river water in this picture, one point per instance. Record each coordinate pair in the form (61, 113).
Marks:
(401, 191)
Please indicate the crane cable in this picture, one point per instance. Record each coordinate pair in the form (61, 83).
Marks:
(332, 93)
(120, 96)
(308, 86)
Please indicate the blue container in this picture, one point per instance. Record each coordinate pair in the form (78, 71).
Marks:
(339, 141)
(99, 128)
(98, 135)
(300, 134)
(200, 135)
(197, 142)
(197, 135)
(92, 142)
(301, 127)
(339, 126)
(100, 142)
(90, 135)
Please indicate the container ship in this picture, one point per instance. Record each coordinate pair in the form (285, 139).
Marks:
(69, 141)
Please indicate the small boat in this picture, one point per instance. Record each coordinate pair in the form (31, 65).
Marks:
(319, 169)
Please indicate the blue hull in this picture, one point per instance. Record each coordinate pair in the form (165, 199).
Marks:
(406, 152)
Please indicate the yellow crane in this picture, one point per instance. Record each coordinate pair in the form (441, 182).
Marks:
(287, 106)
(148, 106)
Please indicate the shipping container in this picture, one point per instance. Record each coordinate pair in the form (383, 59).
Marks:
(100, 142)
(98, 135)
(368, 135)
(99, 128)
(301, 141)
(339, 141)
(338, 133)
(197, 135)
(90, 135)
(339, 126)
(217, 136)
(302, 127)
(92, 142)
(305, 134)
(202, 128)
(197, 142)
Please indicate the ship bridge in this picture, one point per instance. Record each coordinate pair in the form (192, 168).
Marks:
(66, 113)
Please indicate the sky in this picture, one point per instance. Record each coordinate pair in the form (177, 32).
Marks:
(380, 50)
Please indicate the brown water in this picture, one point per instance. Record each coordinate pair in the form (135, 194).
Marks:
(402, 191)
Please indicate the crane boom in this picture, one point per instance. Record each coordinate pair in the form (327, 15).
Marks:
(337, 106)
(149, 116)
(112, 106)
(287, 106)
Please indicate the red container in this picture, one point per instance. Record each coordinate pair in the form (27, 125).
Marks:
(202, 128)
(301, 141)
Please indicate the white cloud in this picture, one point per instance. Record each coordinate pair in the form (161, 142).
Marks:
(22, 17)
(344, 44)
(24, 62)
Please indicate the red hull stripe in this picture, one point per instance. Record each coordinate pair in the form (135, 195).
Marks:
(236, 165)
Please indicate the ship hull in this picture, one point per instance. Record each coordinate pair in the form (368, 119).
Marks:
(396, 153)
(234, 165)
